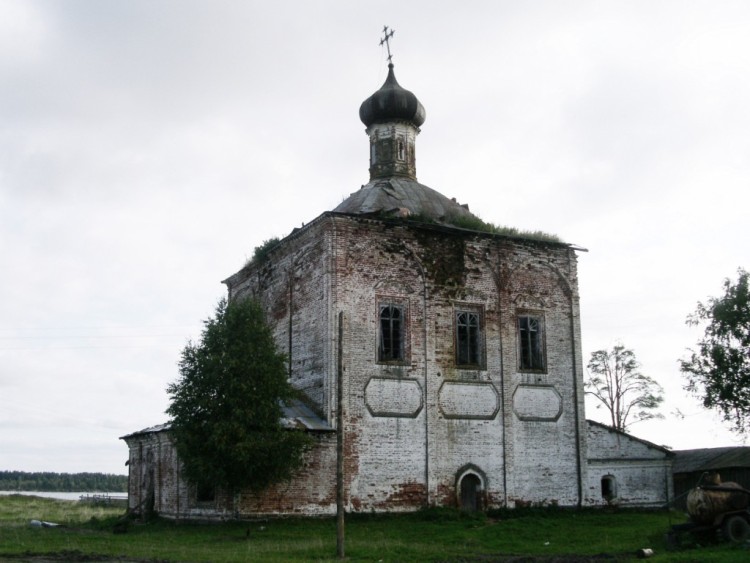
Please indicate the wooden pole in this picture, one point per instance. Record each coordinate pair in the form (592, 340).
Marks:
(340, 442)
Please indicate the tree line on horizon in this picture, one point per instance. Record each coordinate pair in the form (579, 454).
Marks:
(47, 481)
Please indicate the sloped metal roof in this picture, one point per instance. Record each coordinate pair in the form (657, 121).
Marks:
(294, 414)
(646, 443)
(150, 430)
(711, 459)
(402, 196)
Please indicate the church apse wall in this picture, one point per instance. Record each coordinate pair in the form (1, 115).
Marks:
(155, 484)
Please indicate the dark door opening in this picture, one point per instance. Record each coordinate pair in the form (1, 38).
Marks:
(470, 493)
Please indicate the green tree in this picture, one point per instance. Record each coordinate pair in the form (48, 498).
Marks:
(614, 378)
(226, 404)
(719, 371)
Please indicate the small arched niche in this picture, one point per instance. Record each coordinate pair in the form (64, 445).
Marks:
(609, 487)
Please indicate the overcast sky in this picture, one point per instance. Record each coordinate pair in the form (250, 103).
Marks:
(146, 147)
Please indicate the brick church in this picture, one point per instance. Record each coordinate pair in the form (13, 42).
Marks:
(458, 348)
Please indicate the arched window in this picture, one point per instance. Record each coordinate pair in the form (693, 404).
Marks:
(401, 151)
(391, 337)
(530, 342)
(468, 338)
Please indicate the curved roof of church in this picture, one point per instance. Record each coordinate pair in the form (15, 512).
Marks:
(392, 102)
(399, 195)
(402, 196)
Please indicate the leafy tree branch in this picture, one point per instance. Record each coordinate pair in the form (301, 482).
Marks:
(226, 404)
(718, 372)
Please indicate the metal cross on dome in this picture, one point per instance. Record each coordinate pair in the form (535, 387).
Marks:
(386, 39)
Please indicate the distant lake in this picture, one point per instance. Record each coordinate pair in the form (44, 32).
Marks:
(59, 495)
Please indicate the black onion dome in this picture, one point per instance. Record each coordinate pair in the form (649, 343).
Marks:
(391, 102)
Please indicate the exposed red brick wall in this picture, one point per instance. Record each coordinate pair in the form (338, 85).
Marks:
(408, 458)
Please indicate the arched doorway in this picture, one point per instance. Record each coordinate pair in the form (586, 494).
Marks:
(470, 493)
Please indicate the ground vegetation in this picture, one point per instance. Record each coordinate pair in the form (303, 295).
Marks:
(440, 535)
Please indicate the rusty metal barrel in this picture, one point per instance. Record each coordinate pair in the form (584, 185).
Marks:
(706, 504)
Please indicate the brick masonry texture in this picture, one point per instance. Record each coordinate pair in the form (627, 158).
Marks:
(641, 471)
(413, 429)
(420, 430)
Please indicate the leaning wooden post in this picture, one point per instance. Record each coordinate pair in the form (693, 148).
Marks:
(340, 442)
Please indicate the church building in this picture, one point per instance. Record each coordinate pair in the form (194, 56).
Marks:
(458, 348)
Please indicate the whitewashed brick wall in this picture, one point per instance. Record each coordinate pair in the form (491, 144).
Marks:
(642, 471)
(413, 430)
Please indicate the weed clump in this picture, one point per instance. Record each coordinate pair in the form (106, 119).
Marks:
(447, 514)
(261, 251)
(474, 223)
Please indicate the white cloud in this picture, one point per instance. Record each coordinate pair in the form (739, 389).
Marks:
(147, 147)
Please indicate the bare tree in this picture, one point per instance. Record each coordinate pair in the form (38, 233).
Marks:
(615, 380)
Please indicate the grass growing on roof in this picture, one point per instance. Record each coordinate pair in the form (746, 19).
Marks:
(261, 251)
(474, 223)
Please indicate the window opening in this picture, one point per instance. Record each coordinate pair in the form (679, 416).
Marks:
(467, 338)
(391, 346)
(205, 492)
(609, 487)
(530, 337)
(401, 153)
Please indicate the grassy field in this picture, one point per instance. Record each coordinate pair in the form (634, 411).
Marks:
(432, 535)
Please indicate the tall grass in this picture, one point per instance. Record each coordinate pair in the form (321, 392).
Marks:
(18, 510)
(431, 535)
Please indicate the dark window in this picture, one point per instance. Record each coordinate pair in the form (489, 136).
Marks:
(205, 492)
(609, 487)
(391, 345)
(531, 343)
(468, 339)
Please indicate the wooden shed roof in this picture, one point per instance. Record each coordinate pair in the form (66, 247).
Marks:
(710, 459)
